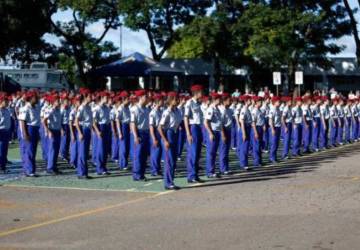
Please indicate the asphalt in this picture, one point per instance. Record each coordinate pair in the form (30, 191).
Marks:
(306, 203)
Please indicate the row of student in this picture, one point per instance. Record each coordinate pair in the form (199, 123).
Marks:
(159, 126)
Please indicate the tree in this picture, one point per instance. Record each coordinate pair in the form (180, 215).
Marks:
(160, 18)
(351, 12)
(76, 40)
(293, 33)
(23, 23)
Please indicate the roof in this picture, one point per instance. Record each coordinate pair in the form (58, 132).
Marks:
(194, 66)
(342, 66)
(137, 65)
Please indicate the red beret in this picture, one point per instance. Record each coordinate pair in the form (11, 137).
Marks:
(140, 92)
(196, 87)
(84, 91)
(124, 94)
(244, 98)
(215, 95)
(306, 98)
(157, 96)
(205, 98)
(298, 99)
(225, 95)
(172, 94)
(275, 99)
(286, 98)
(257, 98)
(324, 98)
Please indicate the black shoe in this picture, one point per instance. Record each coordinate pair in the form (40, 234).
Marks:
(172, 187)
(142, 179)
(84, 177)
(227, 173)
(31, 175)
(4, 171)
(192, 181)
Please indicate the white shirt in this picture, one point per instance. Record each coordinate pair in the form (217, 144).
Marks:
(171, 119)
(54, 118)
(101, 114)
(245, 116)
(213, 115)
(140, 117)
(84, 115)
(193, 112)
(297, 114)
(123, 114)
(30, 114)
(5, 119)
(227, 115)
(275, 115)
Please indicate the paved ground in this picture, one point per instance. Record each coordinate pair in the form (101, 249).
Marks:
(307, 203)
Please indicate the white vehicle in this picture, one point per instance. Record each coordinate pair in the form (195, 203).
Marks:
(38, 75)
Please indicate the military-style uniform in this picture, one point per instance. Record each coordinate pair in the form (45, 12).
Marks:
(65, 137)
(31, 116)
(258, 119)
(275, 118)
(213, 117)
(85, 119)
(101, 117)
(5, 136)
(287, 130)
(155, 151)
(307, 127)
(73, 138)
(334, 124)
(245, 117)
(170, 122)
(140, 117)
(123, 117)
(54, 121)
(297, 114)
(194, 114)
(227, 116)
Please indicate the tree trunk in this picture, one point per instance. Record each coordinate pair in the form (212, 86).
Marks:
(354, 28)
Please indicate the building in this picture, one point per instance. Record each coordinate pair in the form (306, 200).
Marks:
(38, 75)
(344, 76)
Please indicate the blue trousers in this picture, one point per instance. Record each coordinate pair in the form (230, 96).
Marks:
(124, 146)
(102, 148)
(324, 134)
(211, 151)
(155, 155)
(73, 150)
(244, 147)
(53, 144)
(140, 155)
(65, 141)
(224, 150)
(307, 135)
(316, 133)
(334, 131)
(193, 152)
(5, 136)
(355, 128)
(43, 140)
(29, 150)
(266, 136)
(341, 129)
(297, 136)
(348, 129)
(93, 146)
(287, 139)
(114, 147)
(256, 146)
(181, 140)
(233, 134)
(83, 151)
(274, 143)
(170, 157)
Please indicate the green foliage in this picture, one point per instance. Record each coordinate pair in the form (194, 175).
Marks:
(23, 23)
(160, 18)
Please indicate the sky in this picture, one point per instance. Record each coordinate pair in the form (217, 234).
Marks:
(138, 42)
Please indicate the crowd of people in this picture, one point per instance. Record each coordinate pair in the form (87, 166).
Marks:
(154, 127)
